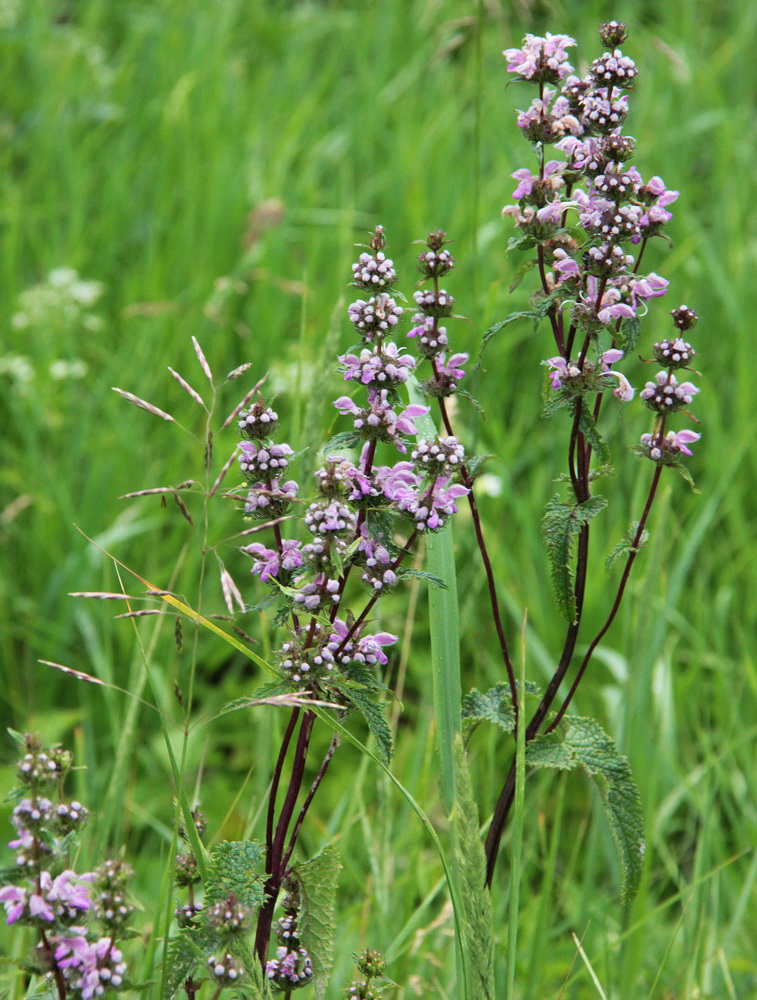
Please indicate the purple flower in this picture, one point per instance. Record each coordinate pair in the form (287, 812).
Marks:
(541, 59)
(90, 967)
(266, 561)
(289, 968)
(667, 449)
(271, 498)
(379, 315)
(366, 649)
(666, 394)
(378, 420)
(257, 459)
(386, 367)
(15, 900)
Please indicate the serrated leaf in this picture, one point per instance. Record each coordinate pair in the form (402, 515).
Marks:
(185, 953)
(316, 924)
(684, 473)
(236, 866)
(345, 439)
(522, 271)
(496, 327)
(560, 526)
(630, 329)
(588, 427)
(471, 866)
(409, 572)
(521, 242)
(494, 705)
(582, 742)
(362, 697)
(626, 546)
(473, 464)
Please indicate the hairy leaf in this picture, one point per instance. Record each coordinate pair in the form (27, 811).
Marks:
(495, 705)
(343, 440)
(236, 867)
(496, 327)
(561, 524)
(588, 427)
(362, 695)
(421, 574)
(581, 742)
(630, 329)
(522, 271)
(316, 924)
(626, 546)
(471, 865)
(185, 952)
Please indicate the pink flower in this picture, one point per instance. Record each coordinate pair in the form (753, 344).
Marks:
(541, 59)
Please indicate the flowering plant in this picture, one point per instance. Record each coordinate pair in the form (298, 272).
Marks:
(332, 550)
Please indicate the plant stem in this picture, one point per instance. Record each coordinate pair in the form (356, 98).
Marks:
(274, 859)
(616, 604)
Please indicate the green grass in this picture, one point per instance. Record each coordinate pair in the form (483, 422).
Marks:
(212, 165)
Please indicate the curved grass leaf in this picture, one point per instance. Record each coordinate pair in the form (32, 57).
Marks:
(471, 866)
(561, 525)
(581, 742)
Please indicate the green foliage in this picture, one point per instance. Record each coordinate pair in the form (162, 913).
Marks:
(317, 880)
(361, 691)
(186, 951)
(589, 429)
(236, 867)
(630, 330)
(93, 89)
(625, 546)
(471, 867)
(581, 742)
(495, 705)
(561, 525)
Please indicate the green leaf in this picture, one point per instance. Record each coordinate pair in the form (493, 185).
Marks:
(421, 574)
(471, 867)
(362, 696)
(581, 742)
(588, 427)
(185, 952)
(316, 924)
(625, 546)
(496, 327)
(236, 866)
(522, 271)
(495, 706)
(561, 525)
(342, 441)
(684, 473)
(630, 329)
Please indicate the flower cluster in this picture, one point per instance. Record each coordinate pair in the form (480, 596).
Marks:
(291, 967)
(370, 965)
(666, 394)
(592, 282)
(359, 499)
(615, 208)
(78, 916)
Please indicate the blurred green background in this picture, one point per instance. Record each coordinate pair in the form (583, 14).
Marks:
(177, 168)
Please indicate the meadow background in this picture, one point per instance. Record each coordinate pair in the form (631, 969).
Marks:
(210, 166)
